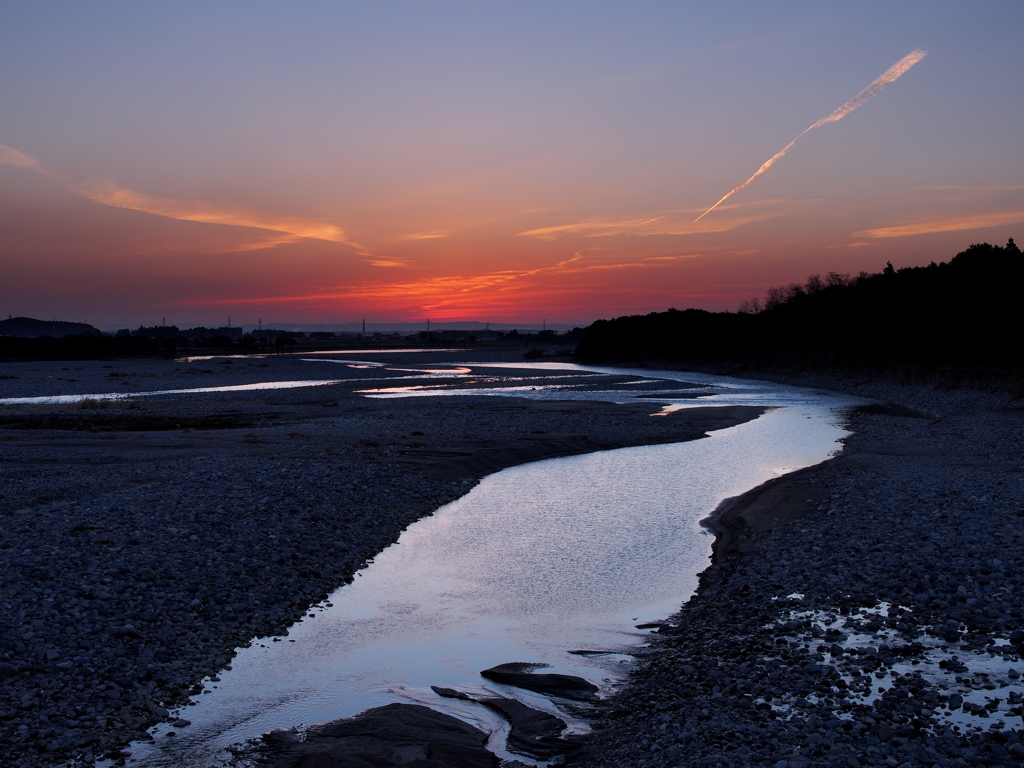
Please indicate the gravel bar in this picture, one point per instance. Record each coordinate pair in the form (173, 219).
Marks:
(865, 612)
(144, 539)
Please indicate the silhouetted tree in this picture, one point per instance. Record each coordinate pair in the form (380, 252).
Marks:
(814, 284)
(957, 315)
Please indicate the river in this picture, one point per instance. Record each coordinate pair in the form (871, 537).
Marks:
(535, 561)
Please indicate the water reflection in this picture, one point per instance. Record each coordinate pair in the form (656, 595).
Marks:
(62, 399)
(534, 562)
(560, 380)
(538, 380)
(259, 355)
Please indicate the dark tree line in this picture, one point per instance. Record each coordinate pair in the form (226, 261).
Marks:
(134, 344)
(83, 347)
(964, 314)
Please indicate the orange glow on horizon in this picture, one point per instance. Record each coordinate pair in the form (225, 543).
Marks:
(464, 297)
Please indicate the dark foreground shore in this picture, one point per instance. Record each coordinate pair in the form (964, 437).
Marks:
(143, 541)
(865, 612)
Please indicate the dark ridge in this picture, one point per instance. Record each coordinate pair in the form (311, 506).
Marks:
(30, 328)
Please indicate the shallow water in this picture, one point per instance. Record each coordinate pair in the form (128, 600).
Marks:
(545, 381)
(680, 389)
(535, 561)
(264, 355)
(66, 399)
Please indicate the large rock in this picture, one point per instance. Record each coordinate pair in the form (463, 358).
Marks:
(534, 733)
(451, 693)
(520, 675)
(397, 734)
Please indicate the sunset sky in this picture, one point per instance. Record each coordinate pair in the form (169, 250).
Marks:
(325, 162)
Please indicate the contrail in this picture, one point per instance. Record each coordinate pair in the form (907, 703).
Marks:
(889, 76)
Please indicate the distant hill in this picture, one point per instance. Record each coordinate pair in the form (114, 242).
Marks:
(962, 315)
(30, 328)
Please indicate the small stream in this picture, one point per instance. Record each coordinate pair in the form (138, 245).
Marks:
(535, 561)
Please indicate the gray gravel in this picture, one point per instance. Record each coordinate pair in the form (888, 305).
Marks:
(871, 616)
(142, 542)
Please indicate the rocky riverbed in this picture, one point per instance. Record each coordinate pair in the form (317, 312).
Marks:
(865, 612)
(144, 539)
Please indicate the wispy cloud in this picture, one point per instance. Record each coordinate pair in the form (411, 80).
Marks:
(971, 187)
(945, 224)
(387, 262)
(269, 241)
(426, 236)
(667, 223)
(592, 228)
(11, 156)
(886, 78)
(109, 193)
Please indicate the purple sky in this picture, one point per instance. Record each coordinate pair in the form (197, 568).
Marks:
(324, 162)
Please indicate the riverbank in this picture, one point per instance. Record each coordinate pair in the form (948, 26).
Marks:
(864, 612)
(144, 539)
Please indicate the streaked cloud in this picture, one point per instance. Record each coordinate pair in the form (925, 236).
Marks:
(109, 193)
(668, 223)
(426, 236)
(592, 228)
(11, 156)
(944, 224)
(971, 187)
(106, 192)
(258, 245)
(385, 262)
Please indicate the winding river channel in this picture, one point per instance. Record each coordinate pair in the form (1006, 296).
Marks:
(535, 561)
